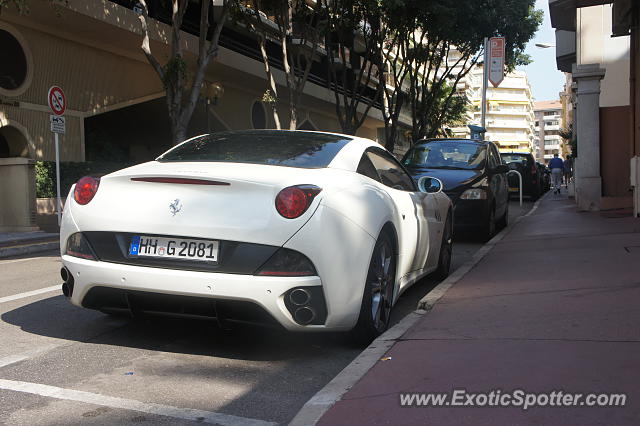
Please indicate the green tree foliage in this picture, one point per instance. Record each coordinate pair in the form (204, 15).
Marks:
(45, 179)
(298, 29)
(353, 42)
(449, 41)
(183, 85)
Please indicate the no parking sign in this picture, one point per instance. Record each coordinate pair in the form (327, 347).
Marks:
(58, 104)
(57, 100)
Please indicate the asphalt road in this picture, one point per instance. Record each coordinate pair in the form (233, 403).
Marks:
(60, 364)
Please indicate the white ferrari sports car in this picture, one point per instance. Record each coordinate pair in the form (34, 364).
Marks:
(309, 230)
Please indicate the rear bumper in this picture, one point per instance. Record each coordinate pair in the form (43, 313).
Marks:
(98, 285)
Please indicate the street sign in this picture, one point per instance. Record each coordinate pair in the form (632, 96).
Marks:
(58, 104)
(496, 60)
(57, 100)
(58, 124)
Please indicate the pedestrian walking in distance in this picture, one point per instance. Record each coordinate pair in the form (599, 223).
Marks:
(557, 169)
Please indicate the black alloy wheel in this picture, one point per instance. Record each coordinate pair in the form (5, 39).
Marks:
(489, 228)
(446, 251)
(377, 300)
(504, 220)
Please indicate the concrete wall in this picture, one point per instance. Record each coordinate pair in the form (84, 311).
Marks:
(98, 63)
(17, 194)
(596, 46)
(91, 78)
(614, 150)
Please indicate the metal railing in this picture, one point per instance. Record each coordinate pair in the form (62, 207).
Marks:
(519, 182)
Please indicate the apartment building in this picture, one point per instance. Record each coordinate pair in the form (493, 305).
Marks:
(510, 117)
(548, 124)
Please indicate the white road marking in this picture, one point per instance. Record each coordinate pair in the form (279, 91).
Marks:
(30, 293)
(12, 359)
(130, 404)
(16, 260)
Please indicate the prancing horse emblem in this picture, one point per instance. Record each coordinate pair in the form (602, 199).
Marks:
(175, 207)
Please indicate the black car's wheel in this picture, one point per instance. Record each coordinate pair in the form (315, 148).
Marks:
(377, 299)
(535, 193)
(446, 251)
(504, 220)
(489, 228)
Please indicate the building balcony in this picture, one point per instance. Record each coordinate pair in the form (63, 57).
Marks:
(506, 112)
(508, 124)
(552, 137)
(550, 128)
(551, 146)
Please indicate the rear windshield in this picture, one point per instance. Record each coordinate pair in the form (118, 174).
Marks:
(279, 148)
(446, 155)
(516, 158)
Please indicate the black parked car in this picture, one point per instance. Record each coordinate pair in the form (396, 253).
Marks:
(473, 176)
(524, 163)
(545, 173)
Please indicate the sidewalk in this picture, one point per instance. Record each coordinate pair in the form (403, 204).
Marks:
(555, 305)
(18, 243)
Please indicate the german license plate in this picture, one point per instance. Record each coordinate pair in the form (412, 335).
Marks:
(175, 248)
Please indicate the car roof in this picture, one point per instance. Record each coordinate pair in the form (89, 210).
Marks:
(472, 141)
(516, 152)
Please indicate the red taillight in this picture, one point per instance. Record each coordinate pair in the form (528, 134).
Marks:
(293, 201)
(86, 189)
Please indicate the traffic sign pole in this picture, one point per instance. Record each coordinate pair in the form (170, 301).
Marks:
(58, 104)
(485, 77)
(58, 201)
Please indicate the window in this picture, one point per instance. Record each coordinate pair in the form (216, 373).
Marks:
(446, 154)
(14, 64)
(391, 172)
(516, 158)
(307, 125)
(258, 115)
(293, 149)
(494, 158)
(4, 147)
(367, 168)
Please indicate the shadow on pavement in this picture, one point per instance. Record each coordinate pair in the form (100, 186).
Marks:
(55, 317)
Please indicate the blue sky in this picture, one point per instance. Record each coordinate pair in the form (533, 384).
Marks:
(546, 81)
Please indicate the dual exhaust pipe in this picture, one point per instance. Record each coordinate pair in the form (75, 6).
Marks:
(301, 298)
(67, 278)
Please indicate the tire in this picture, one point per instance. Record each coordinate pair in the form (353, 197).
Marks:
(535, 193)
(446, 251)
(504, 220)
(375, 310)
(489, 229)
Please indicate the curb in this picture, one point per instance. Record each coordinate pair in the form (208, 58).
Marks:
(29, 248)
(325, 398)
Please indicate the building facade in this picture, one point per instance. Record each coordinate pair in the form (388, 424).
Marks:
(597, 42)
(116, 106)
(549, 122)
(509, 118)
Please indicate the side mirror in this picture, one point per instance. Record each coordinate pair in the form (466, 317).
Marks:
(500, 168)
(430, 185)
